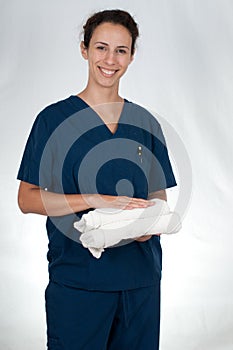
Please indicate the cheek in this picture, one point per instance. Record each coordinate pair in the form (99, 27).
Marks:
(125, 62)
(97, 56)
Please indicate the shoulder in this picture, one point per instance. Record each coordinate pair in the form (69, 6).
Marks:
(64, 107)
(57, 112)
(142, 116)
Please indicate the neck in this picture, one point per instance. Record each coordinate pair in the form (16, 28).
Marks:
(100, 95)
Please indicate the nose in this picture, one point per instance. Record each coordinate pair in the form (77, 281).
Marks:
(110, 57)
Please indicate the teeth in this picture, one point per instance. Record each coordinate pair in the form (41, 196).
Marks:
(108, 72)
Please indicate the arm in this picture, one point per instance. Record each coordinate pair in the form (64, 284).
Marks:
(158, 194)
(33, 199)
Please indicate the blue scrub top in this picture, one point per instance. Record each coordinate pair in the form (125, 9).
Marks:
(70, 150)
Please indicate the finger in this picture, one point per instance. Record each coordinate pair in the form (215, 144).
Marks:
(134, 206)
(143, 239)
(139, 205)
(141, 202)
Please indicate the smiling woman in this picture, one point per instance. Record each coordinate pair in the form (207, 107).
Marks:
(95, 149)
(109, 55)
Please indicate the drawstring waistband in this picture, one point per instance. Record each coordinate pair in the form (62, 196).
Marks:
(125, 305)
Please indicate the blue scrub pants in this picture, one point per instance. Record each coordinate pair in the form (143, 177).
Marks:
(79, 319)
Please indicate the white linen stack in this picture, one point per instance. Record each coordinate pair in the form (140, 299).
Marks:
(103, 228)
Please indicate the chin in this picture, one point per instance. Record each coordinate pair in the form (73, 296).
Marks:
(108, 84)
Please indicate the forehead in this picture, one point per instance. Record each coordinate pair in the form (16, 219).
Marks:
(112, 33)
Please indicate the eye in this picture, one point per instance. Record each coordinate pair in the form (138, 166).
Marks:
(101, 48)
(121, 51)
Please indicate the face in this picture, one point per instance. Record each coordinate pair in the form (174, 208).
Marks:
(108, 54)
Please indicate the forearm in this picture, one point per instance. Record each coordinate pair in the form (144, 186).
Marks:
(33, 199)
(42, 202)
(158, 194)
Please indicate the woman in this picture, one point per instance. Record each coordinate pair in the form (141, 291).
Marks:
(114, 302)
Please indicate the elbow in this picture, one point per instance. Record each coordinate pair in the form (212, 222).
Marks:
(22, 204)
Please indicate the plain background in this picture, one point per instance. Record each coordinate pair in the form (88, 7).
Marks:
(183, 71)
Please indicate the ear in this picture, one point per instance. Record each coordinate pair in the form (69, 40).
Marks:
(131, 58)
(83, 50)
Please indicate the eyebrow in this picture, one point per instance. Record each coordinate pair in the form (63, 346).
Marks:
(120, 46)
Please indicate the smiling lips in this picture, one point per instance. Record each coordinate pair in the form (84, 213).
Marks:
(107, 73)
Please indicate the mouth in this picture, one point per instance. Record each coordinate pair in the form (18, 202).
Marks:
(108, 73)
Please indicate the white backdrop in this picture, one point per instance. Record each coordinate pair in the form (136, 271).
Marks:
(183, 69)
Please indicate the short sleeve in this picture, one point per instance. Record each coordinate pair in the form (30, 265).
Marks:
(30, 169)
(161, 172)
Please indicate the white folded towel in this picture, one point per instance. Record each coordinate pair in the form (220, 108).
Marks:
(99, 217)
(103, 228)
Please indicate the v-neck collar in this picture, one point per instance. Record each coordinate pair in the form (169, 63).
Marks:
(101, 120)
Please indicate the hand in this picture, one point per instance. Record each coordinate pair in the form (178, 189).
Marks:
(118, 202)
(145, 238)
